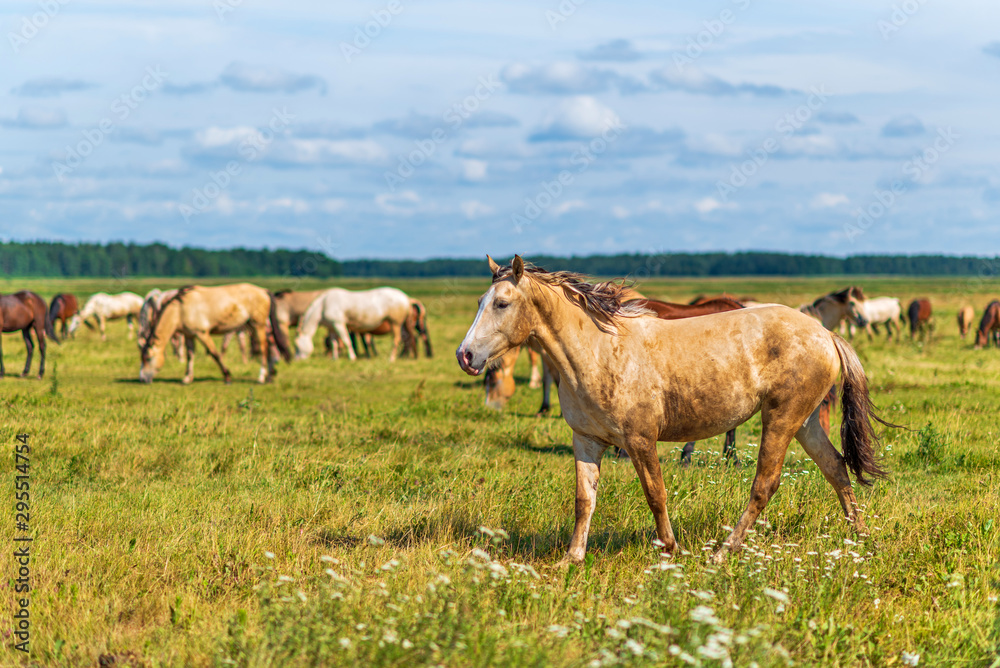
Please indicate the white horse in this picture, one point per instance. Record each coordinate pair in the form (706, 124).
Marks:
(103, 307)
(883, 311)
(363, 311)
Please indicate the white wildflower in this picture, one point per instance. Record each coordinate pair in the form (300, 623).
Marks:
(375, 540)
(776, 595)
(910, 659)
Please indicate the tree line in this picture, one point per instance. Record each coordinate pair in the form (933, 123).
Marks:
(49, 259)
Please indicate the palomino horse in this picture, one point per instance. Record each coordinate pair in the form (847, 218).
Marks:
(920, 313)
(63, 307)
(833, 309)
(198, 312)
(883, 311)
(151, 306)
(966, 315)
(25, 311)
(631, 380)
(362, 311)
(103, 307)
(989, 326)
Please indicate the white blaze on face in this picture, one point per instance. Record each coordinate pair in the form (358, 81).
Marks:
(470, 336)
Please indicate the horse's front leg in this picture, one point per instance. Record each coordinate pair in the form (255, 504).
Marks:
(30, 347)
(3, 372)
(189, 348)
(587, 453)
(642, 452)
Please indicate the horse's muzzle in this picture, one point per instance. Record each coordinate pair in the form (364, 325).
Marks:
(465, 361)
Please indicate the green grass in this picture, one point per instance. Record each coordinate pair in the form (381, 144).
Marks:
(380, 514)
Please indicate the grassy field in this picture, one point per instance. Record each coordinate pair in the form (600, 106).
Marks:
(372, 513)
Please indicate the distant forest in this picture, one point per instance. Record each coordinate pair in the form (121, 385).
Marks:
(44, 259)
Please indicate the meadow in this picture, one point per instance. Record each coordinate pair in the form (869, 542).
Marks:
(368, 513)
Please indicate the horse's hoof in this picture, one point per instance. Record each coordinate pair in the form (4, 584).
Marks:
(186, 381)
(719, 557)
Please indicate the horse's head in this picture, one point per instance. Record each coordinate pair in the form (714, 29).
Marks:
(74, 323)
(502, 321)
(152, 355)
(853, 300)
(303, 347)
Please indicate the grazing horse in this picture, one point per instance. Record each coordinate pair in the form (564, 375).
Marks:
(920, 314)
(362, 311)
(499, 379)
(63, 307)
(833, 309)
(629, 379)
(197, 312)
(989, 326)
(883, 311)
(966, 315)
(418, 315)
(25, 311)
(103, 307)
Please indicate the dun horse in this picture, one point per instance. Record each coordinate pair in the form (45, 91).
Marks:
(630, 380)
(966, 315)
(25, 311)
(63, 307)
(198, 312)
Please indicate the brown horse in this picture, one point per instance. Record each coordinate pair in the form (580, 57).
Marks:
(63, 307)
(989, 326)
(966, 315)
(920, 313)
(25, 311)
(630, 380)
(834, 308)
(499, 379)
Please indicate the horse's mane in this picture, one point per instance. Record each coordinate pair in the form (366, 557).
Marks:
(155, 322)
(843, 295)
(605, 301)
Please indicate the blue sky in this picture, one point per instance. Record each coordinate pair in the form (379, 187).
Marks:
(461, 128)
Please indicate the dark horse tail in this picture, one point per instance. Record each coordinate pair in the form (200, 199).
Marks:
(50, 317)
(421, 312)
(280, 339)
(857, 435)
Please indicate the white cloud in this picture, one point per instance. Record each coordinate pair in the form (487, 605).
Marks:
(710, 204)
(332, 205)
(563, 208)
(474, 170)
(475, 209)
(829, 200)
(401, 203)
(580, 117)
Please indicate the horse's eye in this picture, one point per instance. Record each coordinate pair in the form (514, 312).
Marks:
(501, 304)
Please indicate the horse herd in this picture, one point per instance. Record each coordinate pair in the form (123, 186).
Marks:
(193, 313)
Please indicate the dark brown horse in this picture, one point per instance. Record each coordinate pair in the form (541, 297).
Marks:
(919, 313)
(24, 311)
(989, 326)
(63, 307)
(670, 311)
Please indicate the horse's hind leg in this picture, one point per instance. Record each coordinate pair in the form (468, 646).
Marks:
(776, 435)
(30, 347)
(206, 341)
(588, 471)
(42, 346)
(3, 372)
(818, 446)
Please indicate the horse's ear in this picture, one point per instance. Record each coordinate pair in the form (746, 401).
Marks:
(517, 264)
(494, 267)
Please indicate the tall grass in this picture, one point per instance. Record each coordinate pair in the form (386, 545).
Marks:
(380, 514)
